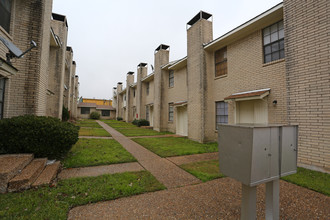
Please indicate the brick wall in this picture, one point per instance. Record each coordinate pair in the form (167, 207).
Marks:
(246, 72)
(27, 89)
(67, 78)
(56, 71)
(307, 48)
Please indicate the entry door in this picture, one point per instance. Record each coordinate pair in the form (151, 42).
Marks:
(252, 112)
(181, 121)
(151, 115)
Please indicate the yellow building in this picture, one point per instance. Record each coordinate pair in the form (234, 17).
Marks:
(97, 101)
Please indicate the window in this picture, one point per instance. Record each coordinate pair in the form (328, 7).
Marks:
(220, 60)
(147, 88)
(170, 112)
(221, 112)
(85, 110)
(134, 92)
(5, 12)
(105, 112)
(124, 97)
(171, 78)
(147, 113)
(273, 41)
(2, 95)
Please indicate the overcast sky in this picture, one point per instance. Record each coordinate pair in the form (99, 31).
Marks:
(110, 38)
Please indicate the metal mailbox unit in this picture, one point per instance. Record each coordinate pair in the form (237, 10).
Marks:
(255, 154)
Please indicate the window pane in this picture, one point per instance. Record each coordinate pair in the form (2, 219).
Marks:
(281, 54)
(221, 112)
(266, 31)
(281, 34)
(276, 56)
(268, 50)
(267, 39)
(275, 47)
(274, 37)
(273, 28)
(268, 58)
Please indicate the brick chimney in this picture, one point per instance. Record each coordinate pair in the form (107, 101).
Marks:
(199, 31)
(162, 56)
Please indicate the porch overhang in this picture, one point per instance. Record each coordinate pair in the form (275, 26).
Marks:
(248, 95)
(180, 104)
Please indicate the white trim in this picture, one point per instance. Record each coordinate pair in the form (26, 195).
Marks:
(177, 63)
(259, 90)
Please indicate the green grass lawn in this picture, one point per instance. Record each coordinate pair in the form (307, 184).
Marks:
(204, 170)
(133, 132)
(119, 124)
(98, 132)
(94, 152)
(88, 123)
(130, 130)
(55, 203)
(317, 181)
(175, 146)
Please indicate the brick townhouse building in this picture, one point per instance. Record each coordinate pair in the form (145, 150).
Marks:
(274, 68)
(43, 80)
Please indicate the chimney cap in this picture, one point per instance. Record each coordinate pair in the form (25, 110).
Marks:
(142, 64)
(119, 83)
(199, 16)
(162, 47)
(114, 87)
(130, 73)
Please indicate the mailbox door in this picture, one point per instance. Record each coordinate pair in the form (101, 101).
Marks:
(289, 142)
(261, 159)
(235, 152)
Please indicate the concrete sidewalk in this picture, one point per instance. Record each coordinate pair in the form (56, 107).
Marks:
(216, 199)
(164, 170)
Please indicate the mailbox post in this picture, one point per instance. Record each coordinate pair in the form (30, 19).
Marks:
(255, 154)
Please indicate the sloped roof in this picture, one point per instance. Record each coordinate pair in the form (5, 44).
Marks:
(86, 104)
(105, 107)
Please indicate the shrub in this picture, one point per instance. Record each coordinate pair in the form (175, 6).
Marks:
(119, 118)
(143, 122)
(43, 136)
(95, 115)
(65, 114)
(135, 122)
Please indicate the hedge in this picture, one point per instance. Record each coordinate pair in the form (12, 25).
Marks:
(42, 136)
(95, 115)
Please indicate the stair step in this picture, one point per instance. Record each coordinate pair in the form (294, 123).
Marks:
(28, 175)
(48, 174)
(10, 166)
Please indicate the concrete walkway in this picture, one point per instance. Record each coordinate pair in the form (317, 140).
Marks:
(164, 170)
(216, 199)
